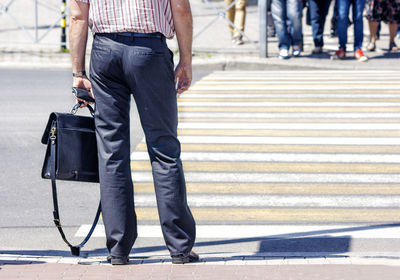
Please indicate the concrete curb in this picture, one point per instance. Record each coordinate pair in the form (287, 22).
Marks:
(213, 259)
(51, 59)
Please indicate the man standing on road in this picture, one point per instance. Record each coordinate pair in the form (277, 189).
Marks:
(130, 58)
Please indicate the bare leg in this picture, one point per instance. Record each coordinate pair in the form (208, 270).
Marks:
(373, 27)
(392, 34)
(392, 31)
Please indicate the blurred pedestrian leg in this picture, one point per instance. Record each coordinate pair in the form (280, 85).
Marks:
(282, 12)
(387, 11)
(343, 10)
(237, 15)
(270, 21)
(334, 19)
(318, 11)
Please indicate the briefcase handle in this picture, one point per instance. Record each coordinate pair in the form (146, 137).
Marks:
(78, 105)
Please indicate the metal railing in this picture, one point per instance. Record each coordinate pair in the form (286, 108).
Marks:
(221, 13)
(59, 7)
(35, 37)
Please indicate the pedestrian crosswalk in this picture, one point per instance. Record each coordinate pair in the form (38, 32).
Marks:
(308, 147)
(284, 150)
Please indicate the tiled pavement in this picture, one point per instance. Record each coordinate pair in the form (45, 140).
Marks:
(210, 267)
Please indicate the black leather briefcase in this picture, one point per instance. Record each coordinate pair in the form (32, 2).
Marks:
(75, 148)
(71, 154)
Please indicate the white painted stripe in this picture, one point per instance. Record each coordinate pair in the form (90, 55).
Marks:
(278, 157)
(286, 95)
(289, 140)
(267, 231)
(83, 230)
(300, 78)
(295, 115)
(269, 201)
(289, 104)
(289, 73)
(299, 82)
(294, 126)
(241, 177)
(296, 87)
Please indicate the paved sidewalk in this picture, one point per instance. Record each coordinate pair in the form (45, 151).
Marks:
(211, 266)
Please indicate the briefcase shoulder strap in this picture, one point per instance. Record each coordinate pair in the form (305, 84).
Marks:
(75, 250)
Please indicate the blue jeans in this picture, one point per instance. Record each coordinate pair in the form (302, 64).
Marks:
(343, 10)
(282, 12)
(318, 11)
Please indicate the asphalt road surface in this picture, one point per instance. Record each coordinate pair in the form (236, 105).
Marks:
(276, 163)
(27, 97)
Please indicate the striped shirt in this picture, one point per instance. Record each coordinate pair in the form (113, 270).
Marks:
(142, 16)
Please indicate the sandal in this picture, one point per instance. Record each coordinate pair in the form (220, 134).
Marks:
(371, 47)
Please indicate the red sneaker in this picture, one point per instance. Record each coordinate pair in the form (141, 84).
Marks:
(359, 55)
(339, 54)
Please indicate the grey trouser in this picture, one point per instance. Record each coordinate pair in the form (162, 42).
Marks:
(124, 65)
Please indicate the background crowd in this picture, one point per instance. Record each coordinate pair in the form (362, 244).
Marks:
(285, 22)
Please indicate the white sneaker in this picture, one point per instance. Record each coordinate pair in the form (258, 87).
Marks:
(284, 54)
(296, 51)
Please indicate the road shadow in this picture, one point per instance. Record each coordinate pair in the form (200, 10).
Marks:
(325, 55)
(386, 55)
(17, 262)
(317, 243)
(326, 244)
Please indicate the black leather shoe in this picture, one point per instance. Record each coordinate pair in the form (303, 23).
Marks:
(185, 258)
(117, 260)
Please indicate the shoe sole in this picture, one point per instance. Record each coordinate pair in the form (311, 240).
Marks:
(183, 260)
(364, 59)
(176, 261)
(117, 261)
(187, 259)
(335, 57)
